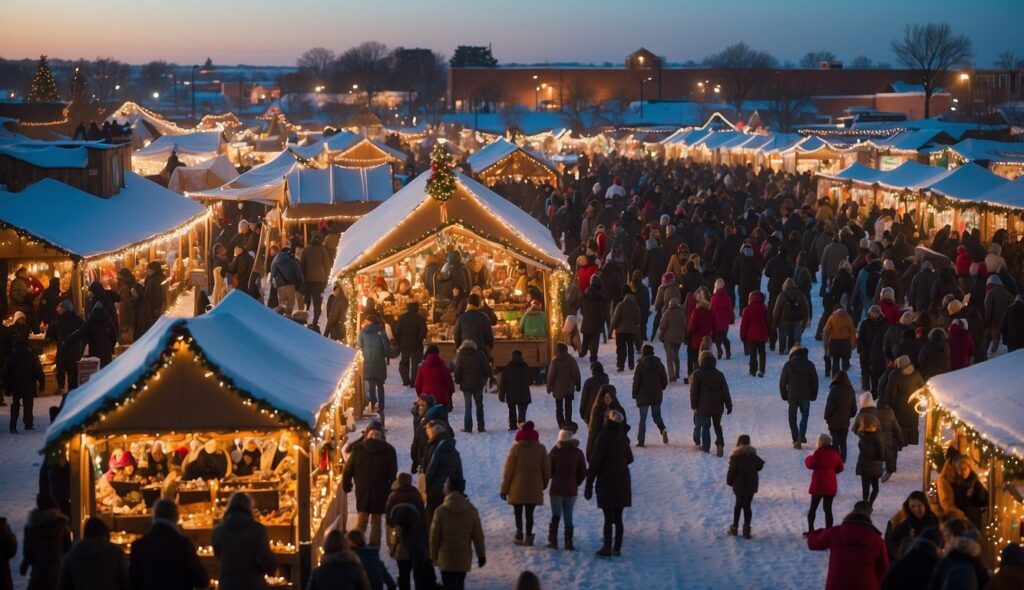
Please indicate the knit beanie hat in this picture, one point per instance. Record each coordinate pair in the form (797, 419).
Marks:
(954, 307)
(903, 362)
(527, 432)
(867, 400)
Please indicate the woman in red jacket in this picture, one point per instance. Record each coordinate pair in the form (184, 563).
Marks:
(722, 316)
(701, 324)
(433, 378)
(825, 463)
(961, 345)
(887, 303)
(858, 558)
(754, 330)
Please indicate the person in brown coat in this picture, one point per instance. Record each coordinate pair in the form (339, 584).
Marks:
(403, 491)
(673, 335)
(455, 533)
(568, 471)
(563, 381)
(526, 475)
(840, 338)
(626, 325)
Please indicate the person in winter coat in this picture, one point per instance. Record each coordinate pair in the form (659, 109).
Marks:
(961, 494)
(902, 385)
(744, 464)
(595, 312)
(673, 335)
(455, 532)
(514, 389)
(913, 570)
(709, 397)
(870, 336)
(433, 378)
(649, 383)
(1013, 325)
(871, 458)
(473, 324)
(887, 303)
(1011, 569)
(47, 538)
(961, 565)
(790, 315)
(410, 332)
(155, 292)
(609, 467)
(722, 316)
(472, 373)
(99, 333)
(626, 325)
(832, 255)
(654, 265)
(840, 338)
(606, 401)
(825, 463)
(369, 557)
(643, 299)
(340, 568)
(526, 475)
(798, 386)
(94, 563)
(591, 386)
(857, 557)
(286, 276)
(840, 408)
(755, 327)
(370, 469)
(933, 358)
(22, 375)
(376, 349)
(568, 471)
(908, 523)
(315, 264)
(920, 295)
(63, 326)
(961, 345)
(240, 544)
(8, 551)
(779, 270)
(700, 324)
(563, 381)
(403, 492)
(666, 292)
(997, 302)
(443, 463)
(164, 558)
(747, 271)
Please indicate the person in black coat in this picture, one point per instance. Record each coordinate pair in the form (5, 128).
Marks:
(408, 521)
(94, 562)
(798, 386)
(609, 467)
(747, 272)
(840, 408)
(372, 467)
(472, 372)
(594, 308)
(1013, 324)
(871, 459)
(474, 325)
(340, 568)
(590, 388)
(709, 397)
(164, 558)
(8, 551)
(47, 538)
(744, 464)
(777, 269)
(241, 545)
(870, 348)
(933, 358)
(108, 299)
(59, 331)
(443, 462)
(514, 389)
(99, 333)
(410, 332)
(21, 375)
(377, 574)
(649, 382)
(914, 569)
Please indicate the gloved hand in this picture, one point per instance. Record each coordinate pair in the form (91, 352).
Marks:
(481, 562)
(504, 497)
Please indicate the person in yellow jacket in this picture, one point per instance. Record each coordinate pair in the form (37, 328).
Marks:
(840, 337)
(455, 534)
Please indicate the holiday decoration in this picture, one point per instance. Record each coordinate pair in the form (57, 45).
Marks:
(44, 88)
(441, 185)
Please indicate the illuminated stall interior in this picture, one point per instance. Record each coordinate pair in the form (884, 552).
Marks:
(502, 160)
(190, 148)
(203, 407)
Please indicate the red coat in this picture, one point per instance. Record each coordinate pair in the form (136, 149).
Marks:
(825, 463)
(961, 347)
(700, 325)
(891, 311)
(722, 313)
(433, 378)
(584, 274)
(754, 325)
(963, 262)
(858, 558)
(602, 244)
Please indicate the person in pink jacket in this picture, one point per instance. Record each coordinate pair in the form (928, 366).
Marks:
(722, 316)
(825, 463)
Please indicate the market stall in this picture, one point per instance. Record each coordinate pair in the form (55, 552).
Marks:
(503, 160)
(190, 149)
(203, 407)
(444, 230)
(206, 175)
(977, 411)
(956, 200)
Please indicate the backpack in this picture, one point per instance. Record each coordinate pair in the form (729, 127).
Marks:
(794, 311)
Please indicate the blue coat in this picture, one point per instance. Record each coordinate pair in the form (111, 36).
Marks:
(375, 347)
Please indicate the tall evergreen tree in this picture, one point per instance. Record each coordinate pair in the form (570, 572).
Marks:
(44, 87)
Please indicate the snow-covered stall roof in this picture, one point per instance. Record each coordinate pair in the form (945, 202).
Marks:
(264, 183)
(967, 183)
(911, 175)
(493, 153)
(412, 212)
(346, 145)
(716, 139)
(203, 176)
(988, 150)
(986, 396)
(242, 340)
(89, 226)
(780, 142)
(686, 136)
(48, 155)
(912, 140)
(856, 172)
(337, 184)
(809, 144)
(203, 145)
(1010, 194)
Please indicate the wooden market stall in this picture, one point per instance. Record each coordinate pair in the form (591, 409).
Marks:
(230, 408)
(956, 200)
(979, 411)
(397, 254)
(503, 160)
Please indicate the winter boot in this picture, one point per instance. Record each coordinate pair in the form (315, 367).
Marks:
(553, 533)
(887, 476)
(732, 530)
(617, 548)
(796, 444)
(604, 552)
(746, 531)
(568, 539)
(528, 542)
(518, 540)
(664, 436)
(719, 449)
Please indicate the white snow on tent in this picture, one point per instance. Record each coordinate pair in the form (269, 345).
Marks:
(908, 141)
(384, 220)
(242, 339)
(686, 136)
(48, 155)
(911, 175)
(988, 150)
(88, 226)
(780, 142)
(264, 183)
(337, 184)
(856, 172)
(716, 139)
(194, 147)
(987, 396)
(809, 144)
(204, 175)
(1010, 194)
(967, 183)
(490, 154)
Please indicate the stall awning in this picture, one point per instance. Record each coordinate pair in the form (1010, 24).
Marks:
(1009, 195)
(499, 149)
(265, 356)
(205, 175)
(967, 183)
(911, 175)
(856, 172)
(203, 144)
(264, 183)
(87, 226)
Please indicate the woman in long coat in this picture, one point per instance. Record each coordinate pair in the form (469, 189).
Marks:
(605, 402)
(609, 466)
(526, 476)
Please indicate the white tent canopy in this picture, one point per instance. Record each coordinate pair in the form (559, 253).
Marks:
(493, 152)
(88, 226)
(242, 339)
(857, 172)
(985, 396)
(967, 183)
(265, 183)
(192, 148)
(336, 184)
(911, 175)
(204, 175)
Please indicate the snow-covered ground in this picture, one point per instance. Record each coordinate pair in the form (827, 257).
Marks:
(676, 529)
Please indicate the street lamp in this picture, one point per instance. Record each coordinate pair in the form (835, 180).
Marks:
(156, 97)
(536, 98)
(642, 83)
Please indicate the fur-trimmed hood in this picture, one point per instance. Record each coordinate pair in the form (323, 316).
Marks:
(744, 450)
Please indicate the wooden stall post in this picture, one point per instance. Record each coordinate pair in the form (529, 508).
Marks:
(76, 285)
(930, 424)
(78, 462)
(303, 494)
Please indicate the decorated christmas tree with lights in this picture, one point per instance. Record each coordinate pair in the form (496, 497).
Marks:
(44, 87)
(441, 185)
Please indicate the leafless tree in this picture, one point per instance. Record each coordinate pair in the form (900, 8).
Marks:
(578, 101)
(930, 51)
(1010, 64)
(861, 62)
(512, 118)
(422, 73)
(369, 64)
(487, 94)
(107, 74)
(812, 59)
(742, 69)
(786, 103)
(154, 76)
(317, 63)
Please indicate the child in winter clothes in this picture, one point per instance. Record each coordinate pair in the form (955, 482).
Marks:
(961, 345)
(871, 458)
(825, 463)
(743, 479)
(754, 330)
(722, 316)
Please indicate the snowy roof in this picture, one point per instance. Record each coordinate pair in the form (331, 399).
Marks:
(89, 226)
(780, 142)
(1010, 194)
(982, 396)
(716, 139)
(48, 155)
(811, 143)
(263, 183)
(337, 184)
(856, 172)
(204, 175)
(967, 183)
(988, 150)
(134, 113)
(346, 141)
(686, 136)
(376, 232)
(203, 143)
(912, 175)
(909, 141)
(494, 152)
(242, 339)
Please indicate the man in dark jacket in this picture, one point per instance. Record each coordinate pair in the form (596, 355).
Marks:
(286, 274)
(709, 397)
(913, 570)
(241, 545)
(920, 294)
(21, 374)
(94, 562)
(164, 558)
(798, 385)
(472, 373)
(474, 325)
(655, 263)
(443, 461)
(649, 382)
(747, 271)
(372, 467)
(410, 332)
(155, 291)
(870, 336)
(595, 310)
(99, 332)
(316, 265)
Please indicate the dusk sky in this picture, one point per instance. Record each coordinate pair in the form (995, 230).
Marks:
(275, 32)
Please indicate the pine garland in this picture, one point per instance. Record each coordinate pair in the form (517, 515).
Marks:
(44, 87)
(441, 184)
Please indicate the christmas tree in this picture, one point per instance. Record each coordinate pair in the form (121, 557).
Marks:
(441, 185)
(79, 86)
(44, 88)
